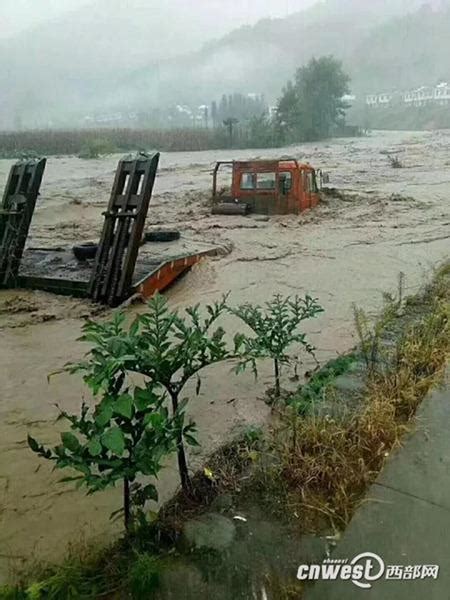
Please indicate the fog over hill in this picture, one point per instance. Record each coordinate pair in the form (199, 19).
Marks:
(70, 62)
(136, 54)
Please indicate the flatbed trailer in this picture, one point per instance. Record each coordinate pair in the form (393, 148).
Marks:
(57, 271)
(123, 265)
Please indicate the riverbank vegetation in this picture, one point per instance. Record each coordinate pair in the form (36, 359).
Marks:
(308, 109)
(132, 428)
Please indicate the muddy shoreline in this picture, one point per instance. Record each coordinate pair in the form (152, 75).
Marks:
(350, 249)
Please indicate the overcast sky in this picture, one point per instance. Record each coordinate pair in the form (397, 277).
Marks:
(17, 15)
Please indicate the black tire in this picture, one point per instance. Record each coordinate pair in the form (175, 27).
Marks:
(231, 208)
(85, 251)
(162, 236)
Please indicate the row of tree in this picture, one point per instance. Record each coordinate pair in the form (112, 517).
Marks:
(311, 107)
(237, 106)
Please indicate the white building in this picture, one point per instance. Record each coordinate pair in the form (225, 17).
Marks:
(442, 93)
(349, 99)
(383, 99)
(421, 96)
(372, 99)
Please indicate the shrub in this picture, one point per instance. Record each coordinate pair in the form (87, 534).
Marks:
(276, 328)
(126, 434)
(395, 162)
(97, 147)
(169, 350)
(144, 576)
(130, 430)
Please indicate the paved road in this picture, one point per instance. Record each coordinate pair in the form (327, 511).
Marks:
(407, 520)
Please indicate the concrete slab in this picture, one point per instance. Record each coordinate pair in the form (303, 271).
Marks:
(403, 531)
(406, 519)
(422, 467)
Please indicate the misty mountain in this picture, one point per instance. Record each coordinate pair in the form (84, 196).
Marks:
(133, 54)
(66, 65)
(382, 45)
(405, 52)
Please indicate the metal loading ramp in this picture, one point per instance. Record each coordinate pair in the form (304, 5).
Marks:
(16, 211)
(123, 265)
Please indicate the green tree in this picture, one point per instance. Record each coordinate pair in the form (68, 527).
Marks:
(312, 105)
(261, 132)
(170, 349)
(125, 435)
(277, 329)
(230, 124)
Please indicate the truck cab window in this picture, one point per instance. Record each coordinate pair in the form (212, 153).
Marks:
(285, 182)
(310, 183)
(266, 181)
(247, 181)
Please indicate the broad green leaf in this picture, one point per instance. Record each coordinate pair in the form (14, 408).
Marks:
(147, 465)
(124, 406)
(104, 415)
(143, 398)
(156, 420)
(134, 328)
(70, 441)
(95, 447)
(114, 440)
(83, 469)
(60, 451)
(190, 439)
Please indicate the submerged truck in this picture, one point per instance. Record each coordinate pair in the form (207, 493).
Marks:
(267, 187)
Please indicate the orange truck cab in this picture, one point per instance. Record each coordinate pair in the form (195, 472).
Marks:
(270, 186)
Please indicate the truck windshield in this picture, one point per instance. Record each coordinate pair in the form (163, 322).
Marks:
(265, 181)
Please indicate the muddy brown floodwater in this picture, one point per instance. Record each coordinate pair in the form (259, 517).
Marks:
(350, 249)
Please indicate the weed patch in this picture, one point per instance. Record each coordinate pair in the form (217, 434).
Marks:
(321, 466)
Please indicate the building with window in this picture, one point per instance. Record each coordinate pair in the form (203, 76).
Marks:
(439, 94)
(383, 99)
(442, 93)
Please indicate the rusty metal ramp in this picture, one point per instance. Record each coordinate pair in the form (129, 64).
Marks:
(16, 212)
(125, 262)
(122, 230)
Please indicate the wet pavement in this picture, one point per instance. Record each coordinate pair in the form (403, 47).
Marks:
(405, 519)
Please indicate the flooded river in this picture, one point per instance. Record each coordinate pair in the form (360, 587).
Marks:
(350, 249)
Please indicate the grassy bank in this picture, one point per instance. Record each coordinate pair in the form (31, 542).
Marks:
(328, 442)
(90, 143)
(323, 462)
